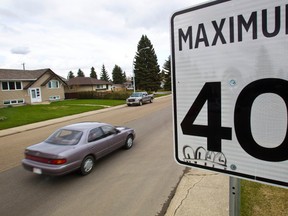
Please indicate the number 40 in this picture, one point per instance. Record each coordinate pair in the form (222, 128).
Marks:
(214, 132)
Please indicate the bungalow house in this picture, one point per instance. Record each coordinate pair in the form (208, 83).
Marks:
(123, 87)
(82, 84)
(128, 85)
(30, 86)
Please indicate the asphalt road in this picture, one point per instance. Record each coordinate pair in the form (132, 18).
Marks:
(134, 182)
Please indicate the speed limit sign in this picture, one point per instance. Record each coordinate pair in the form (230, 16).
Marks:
(230, 88)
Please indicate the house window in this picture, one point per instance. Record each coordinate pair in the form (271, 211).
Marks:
(11, 86)
(53, 84)
(56, 97)
(13, 101)
(100, 86)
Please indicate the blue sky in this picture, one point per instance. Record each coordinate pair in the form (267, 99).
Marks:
(66, 35)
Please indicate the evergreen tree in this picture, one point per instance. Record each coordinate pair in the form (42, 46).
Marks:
(70, 75)
(124, 76)
(167, 74)
(104, 74)
(146, 68)
(93, 73)
(118, 76)
(80, 73)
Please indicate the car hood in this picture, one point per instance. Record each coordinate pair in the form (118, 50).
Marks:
(48, 150)
(121, 128)
(133, 97)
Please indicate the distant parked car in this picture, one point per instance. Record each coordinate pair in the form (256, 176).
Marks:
(76, 147)
(138, 98)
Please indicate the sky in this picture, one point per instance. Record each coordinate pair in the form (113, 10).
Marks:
(68, 35)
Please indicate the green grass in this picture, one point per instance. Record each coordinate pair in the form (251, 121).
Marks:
(17, 116)
(262, 200)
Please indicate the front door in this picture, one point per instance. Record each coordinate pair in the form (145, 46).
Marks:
(35, 94)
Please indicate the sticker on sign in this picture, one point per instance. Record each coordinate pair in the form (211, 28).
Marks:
(230, 88)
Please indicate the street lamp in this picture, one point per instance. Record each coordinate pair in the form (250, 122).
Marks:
(133, 66)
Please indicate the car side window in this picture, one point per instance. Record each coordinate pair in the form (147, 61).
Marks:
(95, 134)
(108, 130)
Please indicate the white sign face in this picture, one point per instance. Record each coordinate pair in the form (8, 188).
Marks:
(230, 88)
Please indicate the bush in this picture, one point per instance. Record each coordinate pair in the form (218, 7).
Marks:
(121, 95)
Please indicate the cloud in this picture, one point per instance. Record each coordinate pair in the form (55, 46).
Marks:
(20, 50)
(68, 35)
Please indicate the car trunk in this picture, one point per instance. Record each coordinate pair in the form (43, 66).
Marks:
(46, 150)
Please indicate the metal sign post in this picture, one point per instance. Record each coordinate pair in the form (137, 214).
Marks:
(234, 196)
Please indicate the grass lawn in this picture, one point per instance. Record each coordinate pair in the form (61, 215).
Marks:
(263, 200)
(17, 116)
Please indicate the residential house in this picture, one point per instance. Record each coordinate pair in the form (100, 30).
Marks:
(30, 86)
(82, 84)
(128, 85)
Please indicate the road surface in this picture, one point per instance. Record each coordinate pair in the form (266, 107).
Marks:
(134, 182)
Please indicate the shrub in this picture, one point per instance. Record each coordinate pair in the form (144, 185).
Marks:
(121, 95)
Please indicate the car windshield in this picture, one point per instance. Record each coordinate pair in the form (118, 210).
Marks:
(65, 137)
(136, 94)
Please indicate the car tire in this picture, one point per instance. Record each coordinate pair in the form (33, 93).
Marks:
(129, 142)
(140, 103)
(151, 100)
(87, 165)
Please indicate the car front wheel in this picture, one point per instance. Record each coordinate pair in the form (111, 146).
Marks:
(87, 165)
(129, 142)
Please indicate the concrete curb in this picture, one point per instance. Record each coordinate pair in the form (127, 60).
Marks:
(10, 131)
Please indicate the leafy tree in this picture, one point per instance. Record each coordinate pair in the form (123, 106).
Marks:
(80, 73)
(167, 74)
(146, 68)
(118, 76)
(104, 74)
(93, 73)
(70, 75)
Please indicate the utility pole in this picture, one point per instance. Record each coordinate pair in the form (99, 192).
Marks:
(23, 64)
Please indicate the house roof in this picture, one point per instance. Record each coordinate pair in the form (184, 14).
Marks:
(27, 75)
(84, 81)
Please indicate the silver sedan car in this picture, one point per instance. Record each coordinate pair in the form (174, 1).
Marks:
(76, 147)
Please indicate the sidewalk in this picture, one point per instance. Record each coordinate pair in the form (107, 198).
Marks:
(201, 193)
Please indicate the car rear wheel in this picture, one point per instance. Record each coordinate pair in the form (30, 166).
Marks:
(87, 165)
(129, 142)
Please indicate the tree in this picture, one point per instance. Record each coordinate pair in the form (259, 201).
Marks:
(167, 74)
(124, 76)
(104, 74)
(118, 76)
(93, 73)
(146, 68)
(80, 73)
(70, 75)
